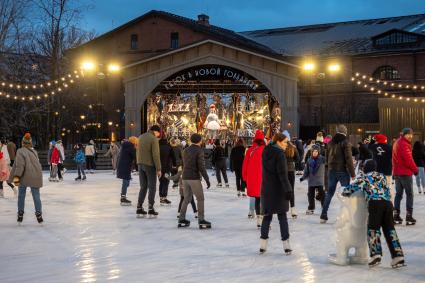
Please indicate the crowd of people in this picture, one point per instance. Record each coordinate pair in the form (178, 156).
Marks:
(265, 172)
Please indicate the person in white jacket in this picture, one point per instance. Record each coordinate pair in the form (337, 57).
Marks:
(61, 168)
(3, 149)
(90, 152)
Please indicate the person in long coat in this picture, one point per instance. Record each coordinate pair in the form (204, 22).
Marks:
(275, 190)
(125, 162)
(168, 162)
(237, 156)
(113, 154)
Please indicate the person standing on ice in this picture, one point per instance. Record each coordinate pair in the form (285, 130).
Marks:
(11, 149)
(6, 159)
(125, 162)
(219, 163)
(90, 152)
(193, 169)
(340, 166)
(375, 188)
(61, 168)
(276, 190)
(404, 168)
(177, 148)
(168, 161)
(80, 160)
(252, 172)
(113, 154)
(149, 164)
(292, 157)
(27, 172)
(418, 153)
(237, 156)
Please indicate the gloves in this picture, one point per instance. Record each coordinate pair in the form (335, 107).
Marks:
(208, 184)
(16, 181)
(288, 195)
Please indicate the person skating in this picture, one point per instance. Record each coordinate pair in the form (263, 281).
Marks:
(252, 172)
(292, 157)
(54, 161)
(378, 195)
(168, 161)
(418, 153)
(382, 154)
(4, 172)
(404, 168)
(6, 159)
(49, 159)
(126, 158)
(80, 160)
(276, 190)
(193, 169)
(61, 168)
(237, 156)
(149, 165)
(11, 149)
(340, 166)
(177, 148)
(27, 172)
(219, 163)
(113, 154)
(314, 172)
(178, 178)
(90, 152)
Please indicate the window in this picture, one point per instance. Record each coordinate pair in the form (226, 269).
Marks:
(386, 73)
(396, 38)
(134, 42)
(174, 40)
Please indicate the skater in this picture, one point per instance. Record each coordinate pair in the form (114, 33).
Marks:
(292, 157)
(149, 164)
(80, 160)
(251, 172)
(276, 190)
(113, 154)
(4, 172)
(61, 168)
(49, 158)
(126, 157)
(382, 154)
(6, 160)
(177, 148)
(178, 178)
(90, 152)
(299, 164)
(26, 172)
(403, 168)
(193, 169)
(168, 162)
(419, 158)
(54, 161)
(219, 163)
(375, 188)
(314, 172)
(340, 166)
(237, 156)
(11, 149)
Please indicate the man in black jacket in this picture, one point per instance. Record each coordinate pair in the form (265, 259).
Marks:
(168, 161)
(340, 166)
(193, 168)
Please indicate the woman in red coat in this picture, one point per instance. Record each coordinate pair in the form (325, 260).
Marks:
(252, 171)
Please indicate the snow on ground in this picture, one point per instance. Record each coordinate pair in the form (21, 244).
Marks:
(88, 237)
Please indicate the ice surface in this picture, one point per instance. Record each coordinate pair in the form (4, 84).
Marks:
(88, 237)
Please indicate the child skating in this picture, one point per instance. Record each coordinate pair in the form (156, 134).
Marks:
(80, 160)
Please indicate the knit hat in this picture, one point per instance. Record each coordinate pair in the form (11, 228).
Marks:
(327, 139)
(195, 138)
(315, 147)
(407, 131)
(26, 140)
(134, 140)
(380, 138)
(369, 166)
(91, 142)
(155, 128)
(286, 133)
(259, 135)
(341, 129)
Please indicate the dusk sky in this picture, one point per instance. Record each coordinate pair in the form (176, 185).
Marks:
(249, 14)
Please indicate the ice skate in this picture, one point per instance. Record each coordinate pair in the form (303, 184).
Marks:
(141, 213)
(397, 218)
(259, 221)
(78, 178)
(39, 217)
(410, 220)
(125, 201)
(398, 262)
(20, 216)
(243, 195)
(375, 260)
(219, 185)
(293, 213)
(287, 247)
(60, 180)
(263, 246)
(183, 223)
(203, 224)
(420, 190)
(251, 214)
(152, 213)
(84, 178)
(309, 212)
(164, 202)
(239, 194)
(227, 185)
(323, 219)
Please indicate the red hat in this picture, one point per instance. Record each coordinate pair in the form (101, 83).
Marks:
(380, 138)
(259, 135)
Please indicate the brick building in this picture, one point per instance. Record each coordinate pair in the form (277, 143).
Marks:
(390, 49)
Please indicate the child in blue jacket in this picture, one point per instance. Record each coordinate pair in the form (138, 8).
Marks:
(80, 160)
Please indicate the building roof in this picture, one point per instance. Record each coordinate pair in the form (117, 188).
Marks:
(217, 33)
(343, 38)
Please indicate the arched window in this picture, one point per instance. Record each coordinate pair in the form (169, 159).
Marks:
(386, 73)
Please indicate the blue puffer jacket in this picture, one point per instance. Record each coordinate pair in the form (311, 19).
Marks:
(373, 185)
(80, 157)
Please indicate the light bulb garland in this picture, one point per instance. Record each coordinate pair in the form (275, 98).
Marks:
(365, 81)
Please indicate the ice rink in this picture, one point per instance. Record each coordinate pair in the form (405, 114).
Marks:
(88, 237)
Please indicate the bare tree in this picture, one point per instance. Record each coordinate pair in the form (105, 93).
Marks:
(12, 20)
